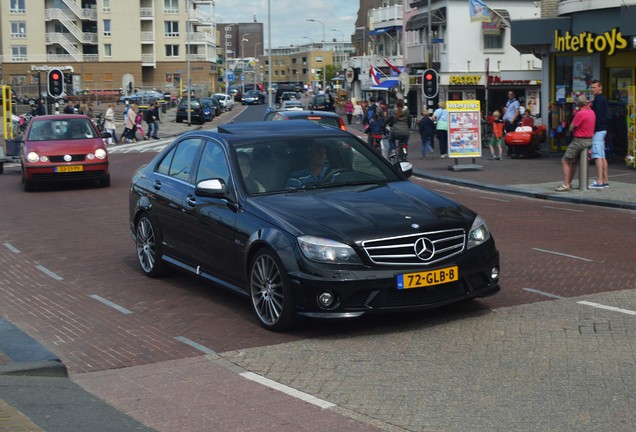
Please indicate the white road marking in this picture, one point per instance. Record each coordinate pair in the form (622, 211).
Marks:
(12, 248)
(111, 304)
(49, 272)
(562, 254)
(494, 199)
(543, 293)
(287, 390)
(564, 209)
(610, 308)
(193, 344)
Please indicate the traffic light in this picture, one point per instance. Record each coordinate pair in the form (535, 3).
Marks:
(55, 83)
(68, 83)
(429, 83)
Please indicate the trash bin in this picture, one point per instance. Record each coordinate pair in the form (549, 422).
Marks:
(13, 148)
(164, 107)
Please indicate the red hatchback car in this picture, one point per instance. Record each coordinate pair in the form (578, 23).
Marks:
(63, 148)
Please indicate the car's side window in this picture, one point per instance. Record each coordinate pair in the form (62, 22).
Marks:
(164, 165)
(213, 163)
(183, 160)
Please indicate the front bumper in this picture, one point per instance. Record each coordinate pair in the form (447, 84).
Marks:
(358, 292)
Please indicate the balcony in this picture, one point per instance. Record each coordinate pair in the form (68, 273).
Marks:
(146, 13)
(390, 16)
(201, 38)
(147, 37)
(148, 60)
(416, 54)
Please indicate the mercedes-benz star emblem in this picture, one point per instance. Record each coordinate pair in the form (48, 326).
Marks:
(424, 248)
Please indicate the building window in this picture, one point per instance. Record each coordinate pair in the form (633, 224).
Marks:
(88, 77)
(494, 41)
(108, 50)
(105, 5)
(18, 30)
(19, 53)
(108, 76)
(171, 28)
(17, 7)
(107, 28)
(171, 6)
(172, 50)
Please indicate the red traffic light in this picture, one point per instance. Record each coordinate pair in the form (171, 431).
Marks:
(429, 76)
(55, 76)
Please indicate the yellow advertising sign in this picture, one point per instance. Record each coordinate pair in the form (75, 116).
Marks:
(609, 41)
(464, 79)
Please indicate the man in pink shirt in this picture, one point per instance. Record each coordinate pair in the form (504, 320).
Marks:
(582, 128)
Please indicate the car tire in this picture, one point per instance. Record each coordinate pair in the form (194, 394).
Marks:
(28, 185)
(179, 120)
(148, 245)
(271, 293)
(105, 182)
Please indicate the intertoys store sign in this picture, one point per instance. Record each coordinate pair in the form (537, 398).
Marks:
(609, 42)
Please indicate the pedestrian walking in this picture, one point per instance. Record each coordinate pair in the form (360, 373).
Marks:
(426, 126)
(152, 119)
(109, 124)
(601, 109)
(582, 129)
(358, 112)
(496, 138)
(440, 117)
(129, 123)
(349, 110)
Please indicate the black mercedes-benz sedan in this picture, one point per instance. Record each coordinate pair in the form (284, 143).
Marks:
(306, 220)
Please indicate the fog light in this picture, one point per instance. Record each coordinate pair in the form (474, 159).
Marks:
(494, 273)
(325, 299)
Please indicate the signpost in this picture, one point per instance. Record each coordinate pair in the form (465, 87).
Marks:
(464, 133)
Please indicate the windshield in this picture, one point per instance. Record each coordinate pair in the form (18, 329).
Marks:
(291, 164)
(57, 130)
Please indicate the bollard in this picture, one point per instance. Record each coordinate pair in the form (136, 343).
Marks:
(583, 169)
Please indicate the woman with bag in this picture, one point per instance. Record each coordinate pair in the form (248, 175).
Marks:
(109, 124)
(440, 116)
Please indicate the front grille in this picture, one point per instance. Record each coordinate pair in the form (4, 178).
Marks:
(393, 298)
(80, 175)
(402, 250)
(74, 158)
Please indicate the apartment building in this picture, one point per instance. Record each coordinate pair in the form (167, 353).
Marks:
(109, 44)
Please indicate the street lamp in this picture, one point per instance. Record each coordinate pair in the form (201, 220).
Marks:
(342, 47)
(324, 76)
(255, 52)
(243, 63)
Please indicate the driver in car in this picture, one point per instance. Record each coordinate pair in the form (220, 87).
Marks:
(316, 169)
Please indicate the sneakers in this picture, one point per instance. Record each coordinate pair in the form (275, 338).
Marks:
(596, 185)
(562, 188)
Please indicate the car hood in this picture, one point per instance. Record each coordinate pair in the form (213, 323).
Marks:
(353, 213)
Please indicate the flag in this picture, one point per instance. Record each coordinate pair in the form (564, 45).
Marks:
(392, 66)
(375, 75)
(478, 11)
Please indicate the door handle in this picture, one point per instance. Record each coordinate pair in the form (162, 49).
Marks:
(191, 200)
(157, 185)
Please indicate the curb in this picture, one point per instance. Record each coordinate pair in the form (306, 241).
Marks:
(23, 355)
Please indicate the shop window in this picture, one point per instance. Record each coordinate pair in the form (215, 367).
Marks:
(619, 81)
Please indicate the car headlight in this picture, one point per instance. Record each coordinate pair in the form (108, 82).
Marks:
(33, 157)
(327, 251)
(100, 153)
(478, 233)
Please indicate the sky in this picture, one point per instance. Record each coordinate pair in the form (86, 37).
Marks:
(288, 18)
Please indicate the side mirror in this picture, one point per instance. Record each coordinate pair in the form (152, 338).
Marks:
(212, 187)
(406, 168)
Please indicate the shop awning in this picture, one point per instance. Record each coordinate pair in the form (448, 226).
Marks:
(420, 20)
(383, 30)
(386, 85)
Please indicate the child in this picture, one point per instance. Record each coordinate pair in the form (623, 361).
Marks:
(427, 132)
(497, 136)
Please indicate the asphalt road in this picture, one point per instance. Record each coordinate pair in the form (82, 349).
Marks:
(501, 363)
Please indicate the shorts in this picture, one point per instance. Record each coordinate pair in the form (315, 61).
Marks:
(496, 141)
(598, 145)
(576, 147)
